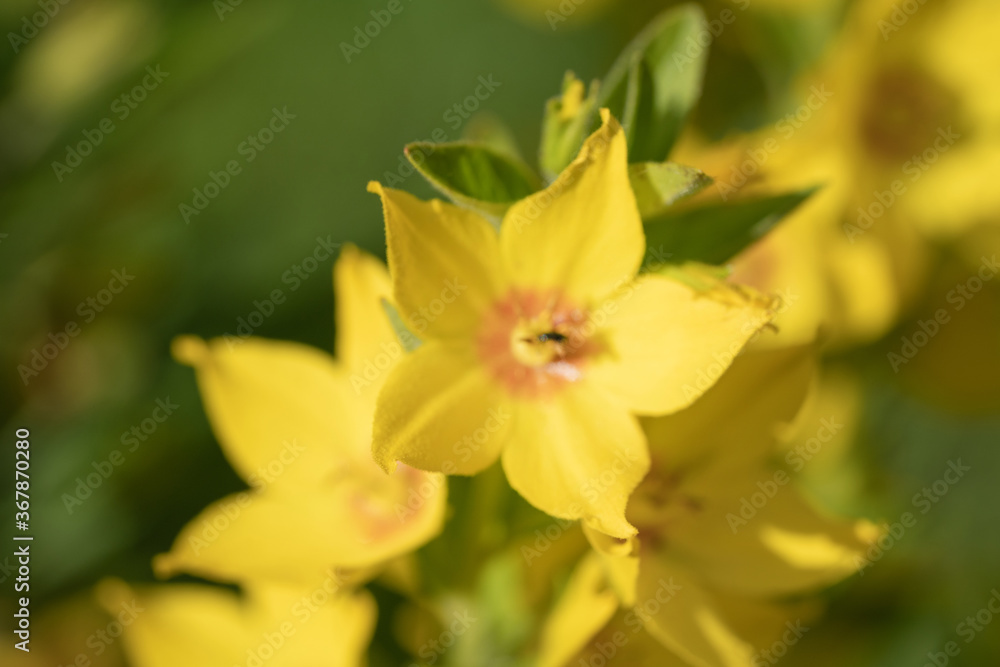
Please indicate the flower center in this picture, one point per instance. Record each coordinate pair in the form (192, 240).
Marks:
(534, 342)
(660, 507)
(375, 499)
(905, 109)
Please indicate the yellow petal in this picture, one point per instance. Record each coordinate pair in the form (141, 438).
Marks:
(359, 521)
(684, 618)
(444, 261)
(204, 626)
(585, 606)
(440, 411)
(628, 644)
(577, 456)
(583, 233)
(762, 623)
(366, 342)
(282, 412)
(863, 286)
(760, 392)
(620, 559)
(670, 343)
(782, 547)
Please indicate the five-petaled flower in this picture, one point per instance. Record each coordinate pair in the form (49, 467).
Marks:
(552, 327)
(296, 424)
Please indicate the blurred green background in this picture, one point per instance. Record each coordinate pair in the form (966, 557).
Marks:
(63, 234)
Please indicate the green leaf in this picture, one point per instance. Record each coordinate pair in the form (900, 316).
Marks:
(473, 175)
(489, 130)
(656, 81)
(657, 185)
(568, 119)
(716, 233)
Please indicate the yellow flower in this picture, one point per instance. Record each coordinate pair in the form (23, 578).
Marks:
(205, 626)
(847, 287)
(927, 111)
(722, 535)
(296, 426)
(898, 123)
(540, 341)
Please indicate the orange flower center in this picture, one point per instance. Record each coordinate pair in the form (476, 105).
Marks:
(382, 505)
(536, 342)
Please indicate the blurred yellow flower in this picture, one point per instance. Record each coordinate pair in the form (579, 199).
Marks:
(898, 123)
(722, 535)
(198, 625)
(296, 426)
(540, 341)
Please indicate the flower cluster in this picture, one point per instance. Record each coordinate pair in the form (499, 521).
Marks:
(608, 363)
(604, 391)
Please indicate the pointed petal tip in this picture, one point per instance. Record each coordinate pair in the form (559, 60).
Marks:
(376, 188)
(112, 592)
(866, 531)
(189, 350)
(166, 565)
(384, 461)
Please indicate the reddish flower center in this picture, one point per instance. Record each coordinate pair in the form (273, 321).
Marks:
(905, 110)
(383, 504)
(536, 342)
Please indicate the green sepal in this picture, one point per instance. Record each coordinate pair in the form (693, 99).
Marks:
(475, 176)
(715, 233)
(567, 121)
(407, 338)
(656, 81)
(657, 185)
